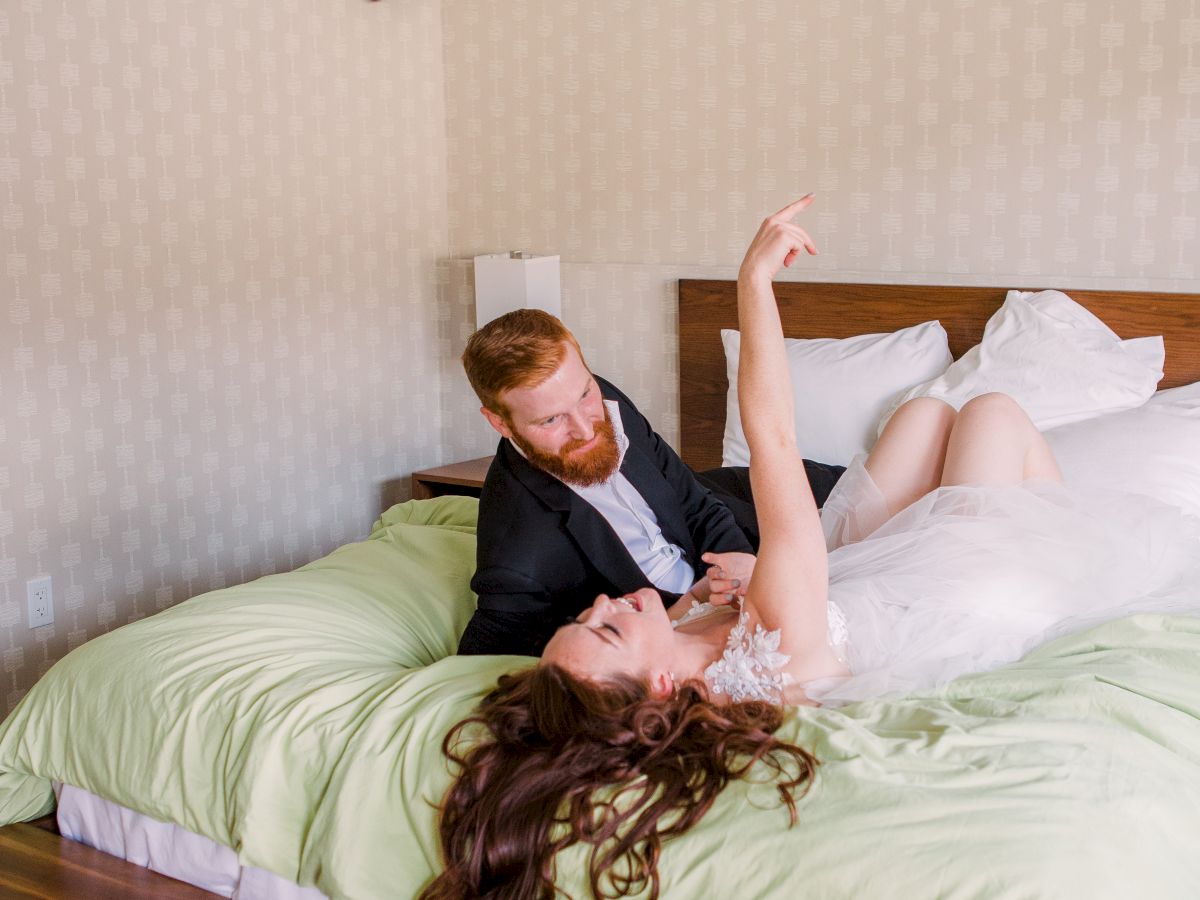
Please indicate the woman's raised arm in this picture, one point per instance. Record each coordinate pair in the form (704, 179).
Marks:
(790, 584)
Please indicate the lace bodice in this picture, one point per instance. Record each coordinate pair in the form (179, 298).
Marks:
(750, 668)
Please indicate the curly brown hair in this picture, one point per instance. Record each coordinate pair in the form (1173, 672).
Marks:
(564, 760)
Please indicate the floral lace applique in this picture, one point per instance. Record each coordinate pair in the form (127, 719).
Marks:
(697, 610)
(749, 667)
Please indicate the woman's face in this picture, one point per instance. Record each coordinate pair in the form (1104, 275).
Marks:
(628, 635)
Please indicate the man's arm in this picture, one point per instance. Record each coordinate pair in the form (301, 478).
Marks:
(514, 614)
(493, 631)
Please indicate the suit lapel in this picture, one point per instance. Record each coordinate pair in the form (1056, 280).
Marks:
(591, 532)
(601, 545)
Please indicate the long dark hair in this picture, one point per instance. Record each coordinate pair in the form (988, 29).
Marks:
(535, 782)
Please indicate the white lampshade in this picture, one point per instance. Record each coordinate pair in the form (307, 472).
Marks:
(515, 280)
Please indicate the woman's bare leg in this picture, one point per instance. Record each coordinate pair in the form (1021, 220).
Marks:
(907, 460)
(994, 442)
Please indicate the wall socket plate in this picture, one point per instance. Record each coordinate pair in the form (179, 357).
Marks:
(41, 601)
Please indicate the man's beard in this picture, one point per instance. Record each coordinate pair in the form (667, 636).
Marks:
(582, 470)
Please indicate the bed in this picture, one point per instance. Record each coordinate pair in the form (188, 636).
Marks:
(294, 723)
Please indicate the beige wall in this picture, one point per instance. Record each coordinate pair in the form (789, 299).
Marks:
(1012, 138)
(233, 234)
(219, 228)
(1010, 142)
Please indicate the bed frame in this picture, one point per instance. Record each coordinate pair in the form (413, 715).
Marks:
(830, 310)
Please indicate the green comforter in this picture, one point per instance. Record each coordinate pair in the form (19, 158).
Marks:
(298, 719)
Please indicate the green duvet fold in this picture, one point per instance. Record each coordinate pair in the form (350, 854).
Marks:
(298, 719)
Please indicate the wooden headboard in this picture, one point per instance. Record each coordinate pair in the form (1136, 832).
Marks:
(821, 310)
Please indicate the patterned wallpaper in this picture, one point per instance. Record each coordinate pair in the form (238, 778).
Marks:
(1022, 139)
(1011, 142)
(219, 228)
(235, 236)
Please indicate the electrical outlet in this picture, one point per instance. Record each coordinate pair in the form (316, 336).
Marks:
(41, 601)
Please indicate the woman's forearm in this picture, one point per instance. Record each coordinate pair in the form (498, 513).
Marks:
(764, 387)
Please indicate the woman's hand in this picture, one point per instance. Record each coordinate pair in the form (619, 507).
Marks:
(728, 575)
(777, 244)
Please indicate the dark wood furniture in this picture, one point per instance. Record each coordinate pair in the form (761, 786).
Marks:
(37, 863)
(463, 478)
(823, 310)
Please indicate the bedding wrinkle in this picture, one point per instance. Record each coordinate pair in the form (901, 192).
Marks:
(1072, 773)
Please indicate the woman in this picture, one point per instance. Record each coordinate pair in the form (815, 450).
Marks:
(951, 548)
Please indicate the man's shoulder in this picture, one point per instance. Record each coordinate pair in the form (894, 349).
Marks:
(610, 391)
(635, 425)
(514, 530)
(514, 494)
(521, 534)
(502, 486)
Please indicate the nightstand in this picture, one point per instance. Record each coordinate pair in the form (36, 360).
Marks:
(463, 479)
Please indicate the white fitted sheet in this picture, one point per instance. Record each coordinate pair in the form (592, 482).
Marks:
(168, 849)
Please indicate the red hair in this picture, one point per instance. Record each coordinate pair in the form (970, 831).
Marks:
(520, 349)
(553, 743)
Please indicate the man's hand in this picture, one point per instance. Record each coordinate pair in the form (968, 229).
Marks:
(728, 576)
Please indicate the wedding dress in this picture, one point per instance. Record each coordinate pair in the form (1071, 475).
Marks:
(968, 579)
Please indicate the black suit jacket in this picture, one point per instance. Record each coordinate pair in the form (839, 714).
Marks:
(544, 553)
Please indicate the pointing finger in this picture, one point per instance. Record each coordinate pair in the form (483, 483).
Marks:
(794, 207)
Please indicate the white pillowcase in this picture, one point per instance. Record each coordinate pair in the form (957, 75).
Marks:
(1153, 450)
(840, 387)
(1057, 359)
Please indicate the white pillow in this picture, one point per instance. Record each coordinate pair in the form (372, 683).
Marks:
(840, 387)
(1058, 360)
(1154, 449)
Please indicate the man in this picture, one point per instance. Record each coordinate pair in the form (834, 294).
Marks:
(583, 497)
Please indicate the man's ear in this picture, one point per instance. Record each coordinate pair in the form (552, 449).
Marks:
(497, 422)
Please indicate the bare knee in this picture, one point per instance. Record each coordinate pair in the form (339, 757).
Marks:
(906, 462)
(995, 442)
(995, 407)
(929, 412)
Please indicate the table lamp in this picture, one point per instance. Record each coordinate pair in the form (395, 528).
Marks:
(515, 280)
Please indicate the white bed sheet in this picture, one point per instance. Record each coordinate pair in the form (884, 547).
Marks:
(168, 849)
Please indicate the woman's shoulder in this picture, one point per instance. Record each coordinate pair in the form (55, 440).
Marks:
(701, 616)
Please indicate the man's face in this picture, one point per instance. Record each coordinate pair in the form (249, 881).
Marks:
(562, 425)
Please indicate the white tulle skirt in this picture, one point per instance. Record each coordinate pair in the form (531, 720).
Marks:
(968, 579)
